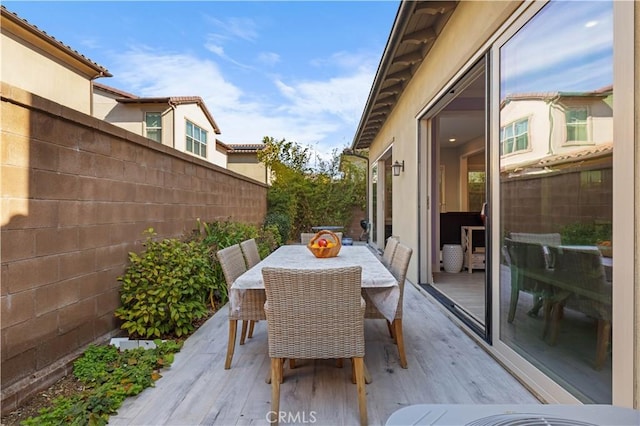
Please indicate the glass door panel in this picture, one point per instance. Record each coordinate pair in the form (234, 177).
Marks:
(556, 145)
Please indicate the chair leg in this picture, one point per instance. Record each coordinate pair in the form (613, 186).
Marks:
(251, 325)
(276, 378)
(367, 376)
(397, 331)
(547, 307)
(604, 331)
(513, 303)
(233, 326)
(243, 333)
(268, 378)
(390, 327)
(556, 316)
(365, 372)
(339, 362)
(358, 363)
(292, 363)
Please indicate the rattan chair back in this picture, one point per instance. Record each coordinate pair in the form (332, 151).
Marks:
(251, 252)
(389, 251)
(315, 314)
(398, 267)
(305, 237)
(232, 263)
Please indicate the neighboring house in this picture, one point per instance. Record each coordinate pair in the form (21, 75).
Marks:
(243, 158)
(538, 125)
(503, 103)
(48, 68)
(181, 122)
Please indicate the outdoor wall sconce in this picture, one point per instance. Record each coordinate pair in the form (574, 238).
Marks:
(397, 168)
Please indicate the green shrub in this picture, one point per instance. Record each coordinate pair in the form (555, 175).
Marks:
(109, 376)
(164, 288)
(217, 235)
(281, 222)
(586, 233)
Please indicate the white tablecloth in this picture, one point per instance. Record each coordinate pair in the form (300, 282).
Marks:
(377, 281)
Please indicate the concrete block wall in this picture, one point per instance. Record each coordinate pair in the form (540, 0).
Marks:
(547, 204)
(77, 193)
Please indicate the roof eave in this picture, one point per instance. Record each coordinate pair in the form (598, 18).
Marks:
(387, 87)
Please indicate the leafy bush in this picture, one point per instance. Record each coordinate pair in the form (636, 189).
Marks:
(109, 376)
(305, 196)
(281, 222)
(586, 233)
(221, 234)
(164, 288)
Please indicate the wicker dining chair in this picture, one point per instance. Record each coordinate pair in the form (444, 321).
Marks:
(252, 258)
(389, 251)
(305, 237)
(252, 305)
(398, 267)
(251, 252)
(315, 314)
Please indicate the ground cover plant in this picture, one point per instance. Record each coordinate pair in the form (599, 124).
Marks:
(108, 376)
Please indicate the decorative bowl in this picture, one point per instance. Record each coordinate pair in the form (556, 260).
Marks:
(333, 244)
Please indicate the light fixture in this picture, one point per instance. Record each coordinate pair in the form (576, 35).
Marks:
(397, 168)
(452, 139)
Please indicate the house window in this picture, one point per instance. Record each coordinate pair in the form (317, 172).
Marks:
(576, 124)
(153, 126)
(196, 140)
(514, 137)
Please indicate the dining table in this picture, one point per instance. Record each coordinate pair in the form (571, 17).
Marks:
(377, 281)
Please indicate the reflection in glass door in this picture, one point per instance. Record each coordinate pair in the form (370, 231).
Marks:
(556, 146)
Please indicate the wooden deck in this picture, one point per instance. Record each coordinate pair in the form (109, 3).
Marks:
(445, 367)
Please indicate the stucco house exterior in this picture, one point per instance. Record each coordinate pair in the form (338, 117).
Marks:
(69, 74)
(181, 122)
(533, 109)
(243, 158)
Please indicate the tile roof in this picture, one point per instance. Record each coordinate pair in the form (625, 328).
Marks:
(592, 152)
(52, 41)
(128, 98)
(245, 148)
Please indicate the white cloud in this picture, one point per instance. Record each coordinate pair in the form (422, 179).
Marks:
(215, 48)
(317, 113)
(339, 97)
(268, 58)
(230, 28)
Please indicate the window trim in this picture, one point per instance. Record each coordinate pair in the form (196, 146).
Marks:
(200, 143)
(587, 126)
(147, 128)
(513, 123)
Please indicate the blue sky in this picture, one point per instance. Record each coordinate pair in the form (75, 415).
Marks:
(568, 47)
(299, 70)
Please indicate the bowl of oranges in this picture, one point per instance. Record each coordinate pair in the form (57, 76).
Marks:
(324, 244)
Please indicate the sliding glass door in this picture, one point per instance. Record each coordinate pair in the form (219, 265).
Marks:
(556, 195)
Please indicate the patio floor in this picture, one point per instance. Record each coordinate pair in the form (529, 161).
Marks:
(445, 367)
